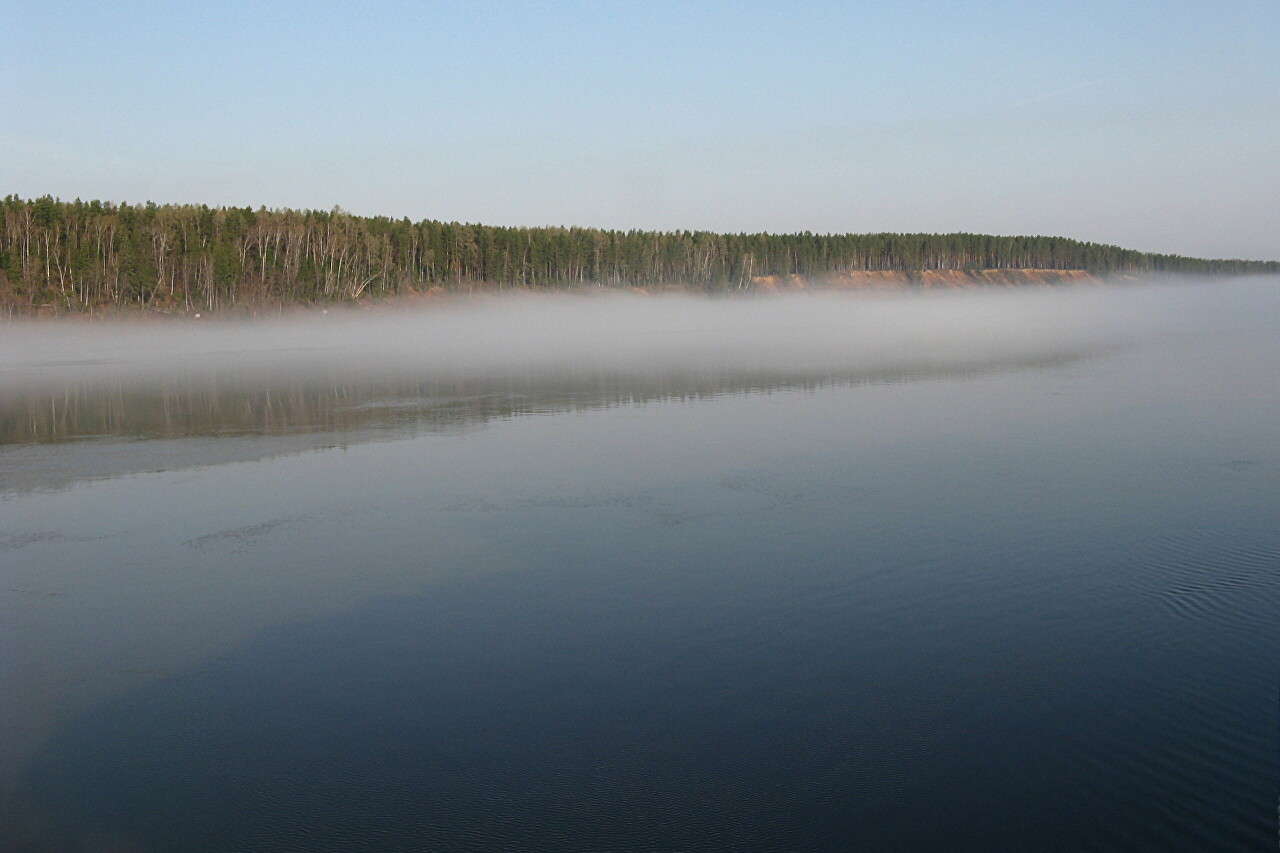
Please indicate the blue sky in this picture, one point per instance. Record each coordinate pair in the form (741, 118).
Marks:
(1155, 125)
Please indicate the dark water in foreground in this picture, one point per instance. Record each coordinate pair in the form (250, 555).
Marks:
(1027, 605)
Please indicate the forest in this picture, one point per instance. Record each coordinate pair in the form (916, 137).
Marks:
(65, 256)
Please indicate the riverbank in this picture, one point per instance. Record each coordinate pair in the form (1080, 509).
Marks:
(860, 280)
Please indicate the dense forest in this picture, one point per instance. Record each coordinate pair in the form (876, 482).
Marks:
(57, 255)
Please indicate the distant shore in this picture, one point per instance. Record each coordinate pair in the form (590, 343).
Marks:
(96, 257)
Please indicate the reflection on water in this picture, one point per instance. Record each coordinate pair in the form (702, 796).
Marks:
(290, 411)
(275, 404)
(1016, 601)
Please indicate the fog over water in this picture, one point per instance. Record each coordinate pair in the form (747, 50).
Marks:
(815, 332)
(981, 570)
(469, 359)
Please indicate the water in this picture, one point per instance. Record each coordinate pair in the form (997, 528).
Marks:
(1022, 600)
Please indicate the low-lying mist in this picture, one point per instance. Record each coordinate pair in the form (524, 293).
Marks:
(824, 333)
(362, 375)
(473, 357)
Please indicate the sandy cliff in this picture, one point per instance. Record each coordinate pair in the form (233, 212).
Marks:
(926, 278)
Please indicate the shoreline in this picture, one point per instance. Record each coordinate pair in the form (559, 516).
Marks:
(859, 281)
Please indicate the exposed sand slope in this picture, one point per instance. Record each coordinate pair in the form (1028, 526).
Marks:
(927, 278)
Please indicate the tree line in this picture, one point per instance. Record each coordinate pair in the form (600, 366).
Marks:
(84, 255)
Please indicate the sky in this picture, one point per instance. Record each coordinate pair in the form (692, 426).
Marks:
(1152, 125)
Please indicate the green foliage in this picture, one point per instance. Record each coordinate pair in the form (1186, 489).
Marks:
(99, 253)
(227, 268)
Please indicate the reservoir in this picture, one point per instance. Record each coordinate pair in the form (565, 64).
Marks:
(987, 572)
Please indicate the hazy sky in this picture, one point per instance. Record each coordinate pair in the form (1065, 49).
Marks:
(1155, 125)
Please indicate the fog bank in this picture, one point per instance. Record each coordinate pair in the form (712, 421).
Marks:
(630, 334)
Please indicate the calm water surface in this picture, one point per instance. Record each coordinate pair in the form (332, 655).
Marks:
(1029, 604)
